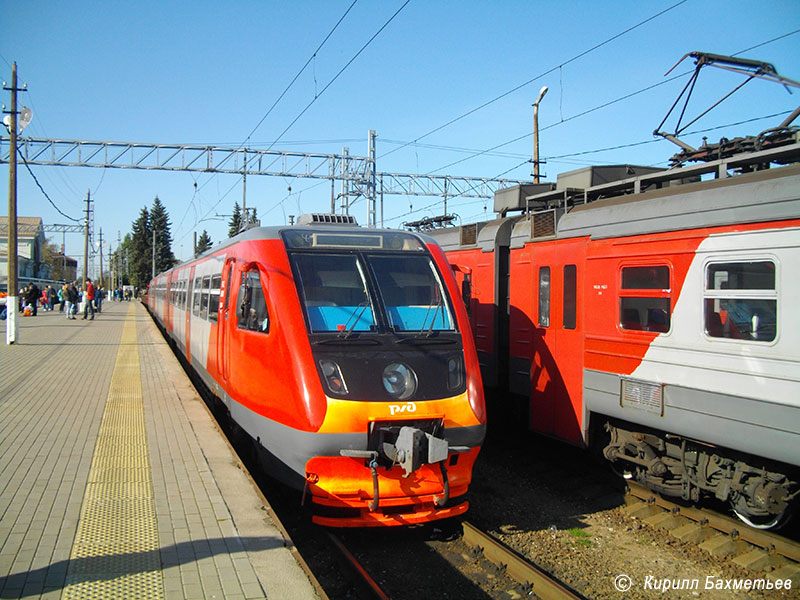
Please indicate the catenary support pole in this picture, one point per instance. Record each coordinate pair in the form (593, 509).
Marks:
(12, 300)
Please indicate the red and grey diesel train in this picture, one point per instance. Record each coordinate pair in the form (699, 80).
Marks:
(652, 314)
(346, 354)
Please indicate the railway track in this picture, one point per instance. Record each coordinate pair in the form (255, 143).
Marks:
(719, 535)
(498, 570)
(542, 584)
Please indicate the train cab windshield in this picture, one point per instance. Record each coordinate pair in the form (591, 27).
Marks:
(368, 283)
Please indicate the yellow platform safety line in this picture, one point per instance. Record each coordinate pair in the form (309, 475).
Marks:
(116, 550)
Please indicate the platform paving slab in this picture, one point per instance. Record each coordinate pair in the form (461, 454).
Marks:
(213, 536)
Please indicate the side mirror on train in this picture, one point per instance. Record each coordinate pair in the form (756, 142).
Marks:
(466, 284)
(466, 291)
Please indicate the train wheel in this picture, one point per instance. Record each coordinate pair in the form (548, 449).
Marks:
(768, 522)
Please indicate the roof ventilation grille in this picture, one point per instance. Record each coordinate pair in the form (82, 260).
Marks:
(326, 219)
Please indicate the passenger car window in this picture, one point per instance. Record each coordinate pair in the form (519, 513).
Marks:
(204, 299)
(196, 295)
(741, 300)
(645, 299)
(544, 296)
(213, 299)
(251, 304)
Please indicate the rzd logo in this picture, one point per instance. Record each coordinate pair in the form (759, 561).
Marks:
(405, 408)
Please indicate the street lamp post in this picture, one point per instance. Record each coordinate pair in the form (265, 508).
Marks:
(542, 92)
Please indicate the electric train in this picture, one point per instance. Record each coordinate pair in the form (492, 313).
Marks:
(346, 354)
(653, 314)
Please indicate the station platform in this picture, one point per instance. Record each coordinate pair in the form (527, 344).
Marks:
(115, 481)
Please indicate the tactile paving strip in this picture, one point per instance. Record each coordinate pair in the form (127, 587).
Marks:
(116, 550)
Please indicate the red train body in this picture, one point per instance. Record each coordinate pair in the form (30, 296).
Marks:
(652, 313)
(342, 352)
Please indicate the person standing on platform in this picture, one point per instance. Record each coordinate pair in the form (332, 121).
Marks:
(72, 297)
(88, 300)
(61, 297)
(33, 297)
(69, 300)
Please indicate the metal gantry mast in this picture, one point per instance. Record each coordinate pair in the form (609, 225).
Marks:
(358, 174)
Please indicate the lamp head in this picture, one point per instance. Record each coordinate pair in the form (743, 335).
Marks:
(542, 92)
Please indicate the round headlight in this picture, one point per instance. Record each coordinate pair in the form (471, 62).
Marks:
(400, 381)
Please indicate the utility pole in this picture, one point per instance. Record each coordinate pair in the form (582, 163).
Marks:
(118, 259)
(154, 255)
(86, 237)
(345, 204)
(244, 194)
(371, 199)
(194, 245)
(101, 258)
(12, 300)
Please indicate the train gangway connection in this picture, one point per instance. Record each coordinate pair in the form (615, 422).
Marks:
(115, 481)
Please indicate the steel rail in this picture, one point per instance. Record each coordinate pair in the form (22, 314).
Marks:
(544, 585)
(368, 581)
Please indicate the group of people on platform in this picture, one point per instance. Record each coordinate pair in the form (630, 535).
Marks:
(68, 297)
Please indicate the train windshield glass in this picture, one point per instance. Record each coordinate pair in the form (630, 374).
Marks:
(335, 293)
(338, 298)
(412, 293)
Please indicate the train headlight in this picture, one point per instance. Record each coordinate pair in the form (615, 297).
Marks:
(400, 381)
(333, 377)
(455, 373)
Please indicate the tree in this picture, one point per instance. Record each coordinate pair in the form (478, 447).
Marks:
(159, 223)
(203, 243)
(235, 224)
(140, 250)
(51, 255)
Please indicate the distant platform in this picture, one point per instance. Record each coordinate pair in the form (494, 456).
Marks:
(115, 482)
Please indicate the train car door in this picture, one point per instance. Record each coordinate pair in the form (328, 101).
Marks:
(227, 315)
(557, 368)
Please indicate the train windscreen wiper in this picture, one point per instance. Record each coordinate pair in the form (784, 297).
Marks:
(348, 331)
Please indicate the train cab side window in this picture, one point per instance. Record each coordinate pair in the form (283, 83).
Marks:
(645, 299)
(741, 301)
(544, 296)
(196, 295)
(251, 304)
(570, 296)
(213, 299)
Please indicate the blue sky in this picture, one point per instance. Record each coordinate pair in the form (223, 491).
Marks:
(207, 72)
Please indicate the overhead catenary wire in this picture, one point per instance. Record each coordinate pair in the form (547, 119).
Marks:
(587, 152)
(39, 185)
(547, 72)
(342, 70)
(274, 104)
(300, 72)
(605, 105)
